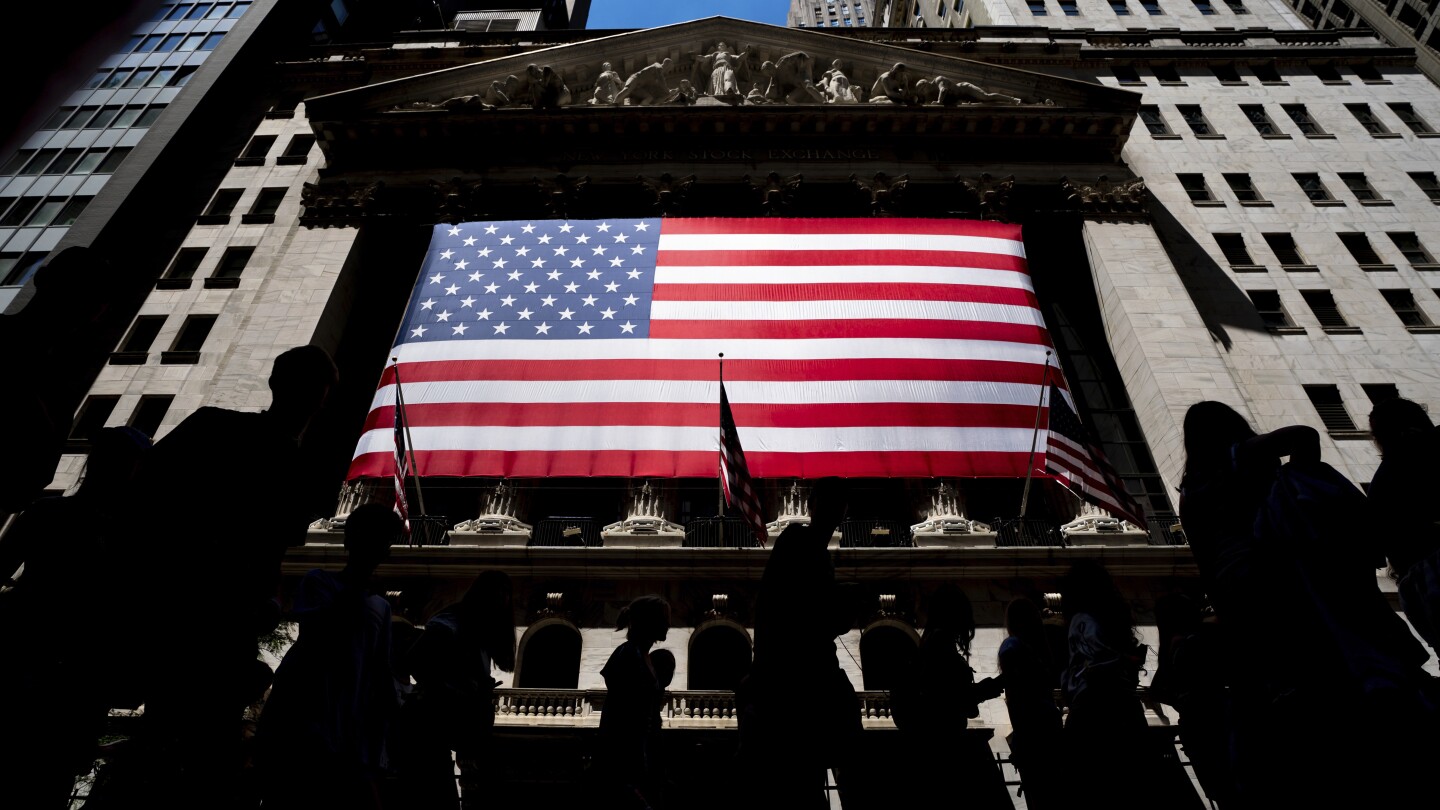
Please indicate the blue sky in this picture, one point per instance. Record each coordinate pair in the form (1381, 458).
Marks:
(647, 13)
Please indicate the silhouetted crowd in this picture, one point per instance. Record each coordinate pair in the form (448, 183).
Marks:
(151, 585)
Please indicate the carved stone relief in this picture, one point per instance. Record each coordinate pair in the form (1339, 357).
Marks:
(777, 194)
(1103, 197)
(988, 196)
(561, 194)
(669, 192)
(885, 192)
(337, 203)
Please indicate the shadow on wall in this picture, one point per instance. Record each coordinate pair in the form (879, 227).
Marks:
(1222, 304)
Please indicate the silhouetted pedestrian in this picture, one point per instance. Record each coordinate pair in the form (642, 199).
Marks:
(1407, 511)
(63, 667)
(632, 695)
(223, 503)
(1190, 676)
(323, 730)
(452, 707)
(1030, 678)
(798, 614)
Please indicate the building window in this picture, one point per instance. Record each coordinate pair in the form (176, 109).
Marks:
(1194, 185)
(170, 43)
(1368, 73)
(150, 413)
(1126, 74)
(16, 268)
(1244, 188)
(1272, 312)
(1322, 304)
(182, 76)
(296, 151)
(1257, 116)
(58, 118)
(1328, 73)
(232, 265)
(1360, 186)
(1226, 73)
(1407, 115)
(211, 42)
(222, 205)
(1166, 74)
(1367, 119)
(162, 77)
(178, 12)
(1330, 407)
(115, 79)
(132, 350)
(1195, 118)
(1302, 119)
(148, 117)
(1410, 248)
(113, 160)
(1152, 7)
(1283, 246)
(103, 118)
(1120, 8)
(1313, 188)
(128, 116)
(186, 348)
(182, 268)
(198, 11)
(1405, 307)
(1153, 121)
(89, 162)
(46, 212)
(39, 161)
(1232, 245)
(18, 160)
(1204, 7)
(72, 211)
(266, 204)
(1363, 252)
(1069, 8)
(1427, 183)
(91, 419)
(256, 150)
(1236, 7)
(19, 211)
(1266, 73)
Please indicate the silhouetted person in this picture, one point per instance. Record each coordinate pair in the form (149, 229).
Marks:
(1107, 741)
(664, 663)
(943, 698)
(323, 730)
(58, 626)
(223, 503)
(1403, 495)
(632, 694)
(1190, 676)
(1029, 678)
(798, 614)
(452, 707)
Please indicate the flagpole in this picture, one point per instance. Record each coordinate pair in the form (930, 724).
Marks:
(1035, 436)
(720, 446)
(409, 442)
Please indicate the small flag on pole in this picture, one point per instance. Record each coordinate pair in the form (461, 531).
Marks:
(402, 471)
(734, 475)
(1075, 458)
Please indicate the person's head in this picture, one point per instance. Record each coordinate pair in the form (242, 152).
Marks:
(115, 457)
(605, 67)
(829, 498)
(1398, 423)
(1088, 588)
(663, 661)
(898, 71)
(1023, 620)
(300, 381)
(835, 64)
(1211, 429)
(950, 614)
(646, 619)
(488, 609)
(370, 531)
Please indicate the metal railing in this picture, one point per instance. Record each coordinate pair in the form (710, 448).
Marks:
(719, 532)
(1019, 532)
(1165, 530)
(875, 534)
(567, 531)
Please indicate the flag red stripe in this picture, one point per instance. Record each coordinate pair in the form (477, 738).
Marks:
(945, 227)
(820, 259)
(973, 293)
(856, 328)
(899, 368)
(698, 414)
(697, 464)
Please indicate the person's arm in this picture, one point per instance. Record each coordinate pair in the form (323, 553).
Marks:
(1299, 442)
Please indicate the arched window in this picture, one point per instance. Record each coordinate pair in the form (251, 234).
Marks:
(887, 651)
(719, 655)
(549, 656)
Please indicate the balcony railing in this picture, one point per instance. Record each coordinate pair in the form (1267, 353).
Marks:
(682, 708)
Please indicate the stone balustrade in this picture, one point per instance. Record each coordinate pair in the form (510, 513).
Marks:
(682, 708)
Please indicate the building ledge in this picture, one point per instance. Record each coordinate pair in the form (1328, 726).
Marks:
(213, 283)
(172, 283)
(1173, 137)
(213, 219)
(1248, 268)
(1286, 330)
(1257, 204)
(1425, 266)
(1386, 135)
(1300, 268)
(1209, 203)
(128, 358)
(1341, 330)
(1328, 203)
(1377, 203)
(1423, 330)
(179, 358)
(290, 160)
(257, 219)
(1279, 136)
(1349, 434)
(1321, 136)
(250, 161)
(1378, 268)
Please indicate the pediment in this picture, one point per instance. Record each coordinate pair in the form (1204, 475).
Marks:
(716, 62)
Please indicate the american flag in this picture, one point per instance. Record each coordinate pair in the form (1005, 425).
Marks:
(854, 347)
(734, 475)
(402, 471)
(1075, 458)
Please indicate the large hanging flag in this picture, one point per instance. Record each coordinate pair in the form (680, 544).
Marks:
(1075, 458)
(853, 347)
(735, 474)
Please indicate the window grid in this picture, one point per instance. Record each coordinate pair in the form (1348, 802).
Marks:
(1271, 311)
(1260, 119)
(1411, 248)
(1243, 188)
(1232, 246)
(1195, 119)
(1405, 307)
(1407, 115)
(1303, 120)
(1359, 185)
(1285, 250)
(1194, 185)
(1154, 121)
(1330, 408)
(93, 414)
(1358, 244)
(1327, 312)
(1427, 182)
(1314, 189)
(1367, 119)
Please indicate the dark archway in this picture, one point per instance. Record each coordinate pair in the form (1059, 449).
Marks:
(887, 652)
(719, 655)
(549, 656)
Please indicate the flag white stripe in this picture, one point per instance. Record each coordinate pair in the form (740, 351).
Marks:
(858, 274)
(734, 349)
(704, 391)
(590, 438)
(842, 310)
(840, 242)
